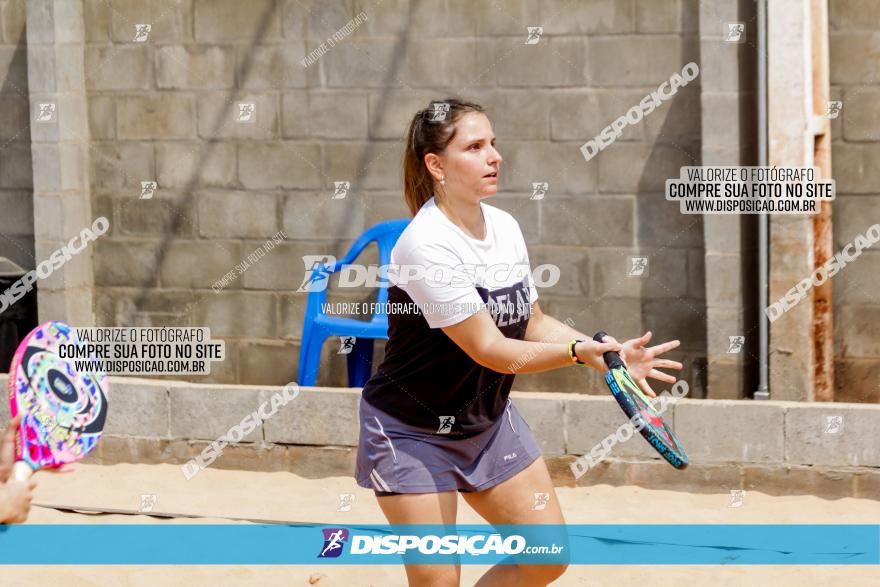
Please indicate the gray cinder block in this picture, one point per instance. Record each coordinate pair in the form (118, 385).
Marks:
(229, 213)
(137, 408)
(206, 412)
(832, 434)
(731, 430)
(323, 416)
(543, 413)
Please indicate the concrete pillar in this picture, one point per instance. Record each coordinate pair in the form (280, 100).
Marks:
(60, 154)
(790, 112)
(728, 122)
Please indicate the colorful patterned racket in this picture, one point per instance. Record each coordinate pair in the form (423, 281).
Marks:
(63, 410)
(640, 411)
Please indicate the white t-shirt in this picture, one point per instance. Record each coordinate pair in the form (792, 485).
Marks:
(425, 377)
(457, 266)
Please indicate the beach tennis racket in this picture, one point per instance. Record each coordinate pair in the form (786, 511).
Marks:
(639, 409)
(63, 410)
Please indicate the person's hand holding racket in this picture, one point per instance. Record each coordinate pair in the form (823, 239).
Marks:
(62, 410)
(637, 363)
(591, 352)
(642, 362)
(7, 448)
(15, 496)
(15, 501)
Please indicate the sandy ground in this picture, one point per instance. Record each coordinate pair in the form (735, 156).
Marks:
(223, 494)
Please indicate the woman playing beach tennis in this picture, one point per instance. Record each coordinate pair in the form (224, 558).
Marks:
(435, 419)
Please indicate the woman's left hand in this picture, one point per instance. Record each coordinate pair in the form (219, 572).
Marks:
(641, 362)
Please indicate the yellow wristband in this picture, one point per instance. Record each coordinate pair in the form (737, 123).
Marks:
(572, 354)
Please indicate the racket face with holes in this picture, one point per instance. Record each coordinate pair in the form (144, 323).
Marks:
(63, 409)
(639, 409)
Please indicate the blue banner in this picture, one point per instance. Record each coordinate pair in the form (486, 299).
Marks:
(579, 544)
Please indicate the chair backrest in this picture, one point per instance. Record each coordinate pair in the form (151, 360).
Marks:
(385, 235)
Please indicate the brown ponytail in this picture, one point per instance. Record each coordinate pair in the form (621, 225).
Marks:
(430, 131)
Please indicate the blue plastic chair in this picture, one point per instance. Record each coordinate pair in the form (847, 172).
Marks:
(317, 326)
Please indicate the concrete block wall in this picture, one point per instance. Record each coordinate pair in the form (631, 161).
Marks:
(855, 155)
(164, 110)
(781, 448)
(16, 177)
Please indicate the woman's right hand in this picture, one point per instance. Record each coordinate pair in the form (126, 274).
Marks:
(7, 448)
(15, 501)
(590, 352)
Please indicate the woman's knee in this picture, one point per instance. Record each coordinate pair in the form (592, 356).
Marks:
(433, 575)
(541, 574)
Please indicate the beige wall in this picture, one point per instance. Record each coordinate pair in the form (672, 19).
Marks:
(164, 110)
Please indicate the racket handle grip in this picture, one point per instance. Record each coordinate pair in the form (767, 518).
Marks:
(21, 471)
(612, 359)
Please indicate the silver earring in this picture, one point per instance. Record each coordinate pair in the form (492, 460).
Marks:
(442, 180)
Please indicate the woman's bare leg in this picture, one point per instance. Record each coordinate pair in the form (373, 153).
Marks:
(425, 508)
(512, 502)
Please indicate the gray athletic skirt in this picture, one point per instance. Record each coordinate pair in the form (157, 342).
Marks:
(395, 457)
